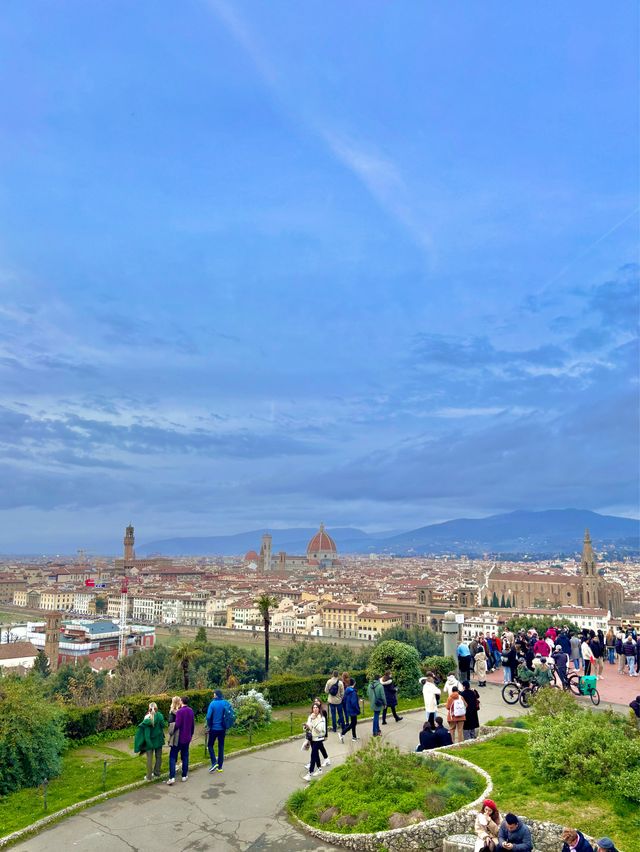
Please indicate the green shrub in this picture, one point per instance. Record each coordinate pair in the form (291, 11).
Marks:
(81, 722)
(252, 711)
(378, 781)
(440, 666)
(597, 746)
(113, 717)
(403, 661)
(553, 702)
(31, 736)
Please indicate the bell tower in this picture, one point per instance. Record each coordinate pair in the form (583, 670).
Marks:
(590, 576)
(52, 639)
(265, 553)
(129, 541)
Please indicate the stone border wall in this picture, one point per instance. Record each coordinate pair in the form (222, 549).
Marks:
(426, 836)
(429, 835)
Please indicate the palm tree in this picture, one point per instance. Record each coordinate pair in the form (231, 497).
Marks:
(264, 604)
(185, 654)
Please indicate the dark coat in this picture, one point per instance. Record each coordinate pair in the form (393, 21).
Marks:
(427, 740)
(583, 845)
(471, 721)
(443, 737)
(390, 692)
(351, 703)
(564, 642)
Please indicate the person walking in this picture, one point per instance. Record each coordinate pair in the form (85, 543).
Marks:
(471, 721)
(345, 677)
(322, 751)
(184, 725)
(316, 728)
(352, 711)
(334, 688)
(456, 714)
(172, 734)
(149, 740)
(220, 717)
(390, 696)
(561, 664)
(431, 697)
(377, 702)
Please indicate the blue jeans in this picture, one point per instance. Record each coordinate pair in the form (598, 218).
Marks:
(376, 721)
(336, 708)
(611, 652)
(576, 664)
(631, 662)
(497, 658)
(211, 745)
(183, 751)
(506, 674)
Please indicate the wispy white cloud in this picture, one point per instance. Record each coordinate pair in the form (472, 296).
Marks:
(379, 175)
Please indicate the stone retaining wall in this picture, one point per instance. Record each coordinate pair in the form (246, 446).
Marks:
(429, 835)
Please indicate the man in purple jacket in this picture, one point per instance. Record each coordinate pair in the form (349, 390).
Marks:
(185, 725)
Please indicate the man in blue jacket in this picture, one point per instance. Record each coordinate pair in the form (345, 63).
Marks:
(514, 835)
(220, 716)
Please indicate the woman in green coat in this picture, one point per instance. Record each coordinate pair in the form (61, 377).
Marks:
(150, 739)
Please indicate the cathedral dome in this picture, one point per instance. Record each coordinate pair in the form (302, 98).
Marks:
(251, 556)
(322, 542)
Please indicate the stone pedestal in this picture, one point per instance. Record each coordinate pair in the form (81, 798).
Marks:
(451, 635)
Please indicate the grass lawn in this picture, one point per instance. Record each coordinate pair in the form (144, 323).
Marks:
(379, 785)
(83, 766)
(239, 637)
(516, 789)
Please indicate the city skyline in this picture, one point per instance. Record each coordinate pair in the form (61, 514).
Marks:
(256, 276)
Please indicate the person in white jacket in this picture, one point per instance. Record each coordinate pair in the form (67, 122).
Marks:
(588, 657)
(431, 695)
(316, 730)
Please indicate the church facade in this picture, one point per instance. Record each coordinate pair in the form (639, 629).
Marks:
(321, 553)
(530, 590)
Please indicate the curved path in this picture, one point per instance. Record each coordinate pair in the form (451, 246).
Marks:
(240, 809)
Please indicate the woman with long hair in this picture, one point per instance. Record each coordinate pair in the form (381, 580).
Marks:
(316, 728)
(173, 737)
(149, 739)
(486, 826)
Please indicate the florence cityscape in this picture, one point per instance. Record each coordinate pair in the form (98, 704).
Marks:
(320, 424)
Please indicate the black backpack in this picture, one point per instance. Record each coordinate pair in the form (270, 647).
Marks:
(334, 688)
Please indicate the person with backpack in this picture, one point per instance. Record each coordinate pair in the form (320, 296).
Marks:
(352, 711)
(220, 717)
(456, 714)
(334, 688)
(391, 697)
(377, 702)
(471, 721)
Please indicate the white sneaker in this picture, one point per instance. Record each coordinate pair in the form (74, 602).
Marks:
(307, 766)
(326, 762)
(309, 776)
(341, 738)
(184, 777)
(170, 782)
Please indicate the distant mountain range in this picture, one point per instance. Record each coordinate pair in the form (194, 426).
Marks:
(554, 531)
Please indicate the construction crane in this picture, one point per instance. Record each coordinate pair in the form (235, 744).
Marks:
(124, 593)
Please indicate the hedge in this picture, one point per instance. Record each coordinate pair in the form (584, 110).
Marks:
(81, 722)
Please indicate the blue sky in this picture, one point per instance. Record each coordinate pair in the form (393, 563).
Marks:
(269, 264)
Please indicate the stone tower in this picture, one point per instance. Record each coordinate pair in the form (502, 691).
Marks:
(52, 639)
(129, 541)
(265, 553)
(590, 577)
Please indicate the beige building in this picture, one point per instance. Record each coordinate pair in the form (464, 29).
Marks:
(57, 599)
(340, 619)
(372, 623)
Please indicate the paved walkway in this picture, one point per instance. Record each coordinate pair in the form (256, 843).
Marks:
(240, 809)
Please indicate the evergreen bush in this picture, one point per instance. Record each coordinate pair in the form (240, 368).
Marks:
(440, 666)
(31, 736)
(403, 661)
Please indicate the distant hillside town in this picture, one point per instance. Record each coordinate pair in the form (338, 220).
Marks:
(101, 609)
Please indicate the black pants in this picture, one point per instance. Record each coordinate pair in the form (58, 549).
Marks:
(587, 667)
(353, 722)
(384, 714)
(315, 755)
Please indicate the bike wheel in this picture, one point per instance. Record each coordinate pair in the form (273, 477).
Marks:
(510, 693)
(573, 682)
(595, 698)
(525, 697)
